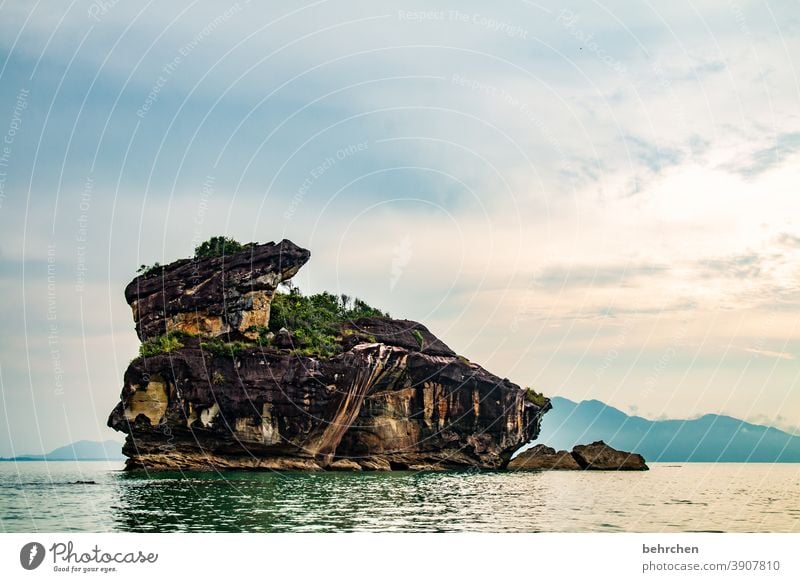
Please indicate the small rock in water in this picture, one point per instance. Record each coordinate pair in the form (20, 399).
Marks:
(543, 457)
(599, 456)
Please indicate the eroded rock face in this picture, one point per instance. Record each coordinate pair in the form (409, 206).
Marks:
(379, 406)
(214, 296)
(542, 457)
(395, 398)
(599, 456)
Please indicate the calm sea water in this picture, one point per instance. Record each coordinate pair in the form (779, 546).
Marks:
(39, 496)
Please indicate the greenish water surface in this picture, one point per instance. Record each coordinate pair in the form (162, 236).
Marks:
(98, 496)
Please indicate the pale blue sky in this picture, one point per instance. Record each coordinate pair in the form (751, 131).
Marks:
(596, 199)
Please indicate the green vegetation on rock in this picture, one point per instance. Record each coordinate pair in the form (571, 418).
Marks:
(315, 320)
(217, 246)
(219, 347)
(163, 344)
(418, 336)
(537, 398)
(146, 270)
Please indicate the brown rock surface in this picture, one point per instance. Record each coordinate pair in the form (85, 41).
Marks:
(213, 296)
(601, 457)
(344, 465)
(542, 457)
(401, 333)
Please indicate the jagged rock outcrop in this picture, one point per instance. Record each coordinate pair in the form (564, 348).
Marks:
(542, 457)
(214, 296)
(395, 397)
(597, 456)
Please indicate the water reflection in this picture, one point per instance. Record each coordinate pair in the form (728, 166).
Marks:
(309, 502)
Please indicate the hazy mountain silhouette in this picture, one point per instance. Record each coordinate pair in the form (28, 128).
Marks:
(78, 451)
(710, 438)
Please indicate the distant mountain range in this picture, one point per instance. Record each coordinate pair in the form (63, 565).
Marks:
(710, 438)
(78, 451)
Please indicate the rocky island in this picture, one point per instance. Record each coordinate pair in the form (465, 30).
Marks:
(235, 374)
(597, 456)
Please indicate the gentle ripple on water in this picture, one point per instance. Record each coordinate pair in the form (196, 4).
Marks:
(36, 496)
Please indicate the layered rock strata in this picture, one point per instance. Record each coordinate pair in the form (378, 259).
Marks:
(215, 296)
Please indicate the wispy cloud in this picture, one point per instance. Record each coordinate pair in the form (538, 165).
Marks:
(653, 156)
(765, 158)
(769, 353)
(563, 276)
(788, 240)
(746, 266)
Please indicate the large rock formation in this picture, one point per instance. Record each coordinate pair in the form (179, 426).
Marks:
(395, 397)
